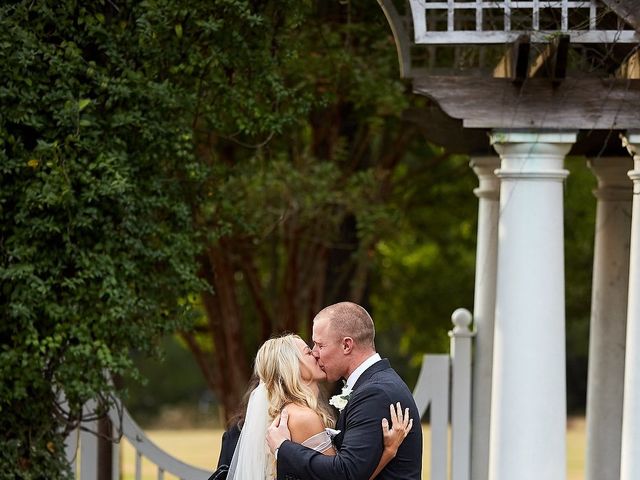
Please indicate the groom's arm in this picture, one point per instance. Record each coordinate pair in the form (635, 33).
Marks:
(361, 448)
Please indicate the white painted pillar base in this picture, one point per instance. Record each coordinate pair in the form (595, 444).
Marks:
(488, 193)
(528, 399)
(608, 317)
(630, 457)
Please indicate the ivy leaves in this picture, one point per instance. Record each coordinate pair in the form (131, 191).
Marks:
(96, 235)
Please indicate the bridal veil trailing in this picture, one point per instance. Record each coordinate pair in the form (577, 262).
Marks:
(251, 458)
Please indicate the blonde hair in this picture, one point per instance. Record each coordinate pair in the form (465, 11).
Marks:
(278, 366)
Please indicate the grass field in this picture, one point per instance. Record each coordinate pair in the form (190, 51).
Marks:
(201, 448)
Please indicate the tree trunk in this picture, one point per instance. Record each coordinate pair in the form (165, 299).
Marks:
(105, 449)
(226, 369)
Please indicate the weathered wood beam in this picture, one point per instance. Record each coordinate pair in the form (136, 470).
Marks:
(442, 130)
(577, 103)
(627, 10)
(515, 62)
(631, 66)
(552, 61)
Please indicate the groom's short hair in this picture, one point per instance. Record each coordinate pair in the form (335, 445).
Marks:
(349, 319)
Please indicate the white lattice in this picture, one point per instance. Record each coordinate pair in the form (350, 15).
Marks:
(486, 22)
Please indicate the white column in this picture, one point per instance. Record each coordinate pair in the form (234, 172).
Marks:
(488, 193)
(630, 458)
(528, 399)
(608, 317)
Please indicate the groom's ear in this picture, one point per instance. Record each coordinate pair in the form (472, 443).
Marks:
(347, 345)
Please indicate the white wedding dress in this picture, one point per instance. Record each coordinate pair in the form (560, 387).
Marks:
(252, 459)
(318, 442)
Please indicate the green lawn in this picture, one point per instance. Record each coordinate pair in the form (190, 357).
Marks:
(201, 448)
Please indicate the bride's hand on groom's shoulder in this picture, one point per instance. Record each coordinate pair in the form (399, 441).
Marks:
(278, 431)
(401, 425)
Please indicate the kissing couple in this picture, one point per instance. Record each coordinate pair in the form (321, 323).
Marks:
(372, 437)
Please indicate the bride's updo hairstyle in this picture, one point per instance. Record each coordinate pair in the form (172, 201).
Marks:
(278, 366)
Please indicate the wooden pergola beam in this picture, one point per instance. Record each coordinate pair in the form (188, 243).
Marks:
(631, 66)
(514, 64)
(627, 10)
(552, 61)
(440, 129)
(577, 103)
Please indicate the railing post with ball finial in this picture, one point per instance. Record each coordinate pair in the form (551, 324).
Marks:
(461, 394)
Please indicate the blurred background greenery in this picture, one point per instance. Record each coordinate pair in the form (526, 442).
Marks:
(420, 273)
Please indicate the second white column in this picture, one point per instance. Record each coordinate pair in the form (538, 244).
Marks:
(528, 407)
(608, 317)
(630, 456)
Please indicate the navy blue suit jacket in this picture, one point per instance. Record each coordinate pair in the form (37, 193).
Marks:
(360, 442)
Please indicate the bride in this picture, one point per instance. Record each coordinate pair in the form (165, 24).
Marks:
(289, 376)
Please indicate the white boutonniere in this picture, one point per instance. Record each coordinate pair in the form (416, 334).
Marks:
(340, 401)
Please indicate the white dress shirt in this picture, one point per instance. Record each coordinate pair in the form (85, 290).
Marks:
(355, 375)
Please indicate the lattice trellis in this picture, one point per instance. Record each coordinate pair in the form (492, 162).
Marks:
(490, 22)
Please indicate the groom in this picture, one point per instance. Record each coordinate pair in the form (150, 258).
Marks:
(343, 338)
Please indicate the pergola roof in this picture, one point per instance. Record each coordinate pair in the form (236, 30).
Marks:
(546, 65)
(503, 21)
(609, 25)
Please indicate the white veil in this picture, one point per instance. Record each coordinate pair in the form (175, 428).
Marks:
(251, 458)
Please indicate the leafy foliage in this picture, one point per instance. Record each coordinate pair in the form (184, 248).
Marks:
(424, 271)
(580, 215)
(97, 161)
(292, 217)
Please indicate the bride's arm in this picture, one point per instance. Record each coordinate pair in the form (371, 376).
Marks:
(400, 428)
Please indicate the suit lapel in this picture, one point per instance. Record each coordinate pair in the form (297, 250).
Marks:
(373, 369)
(366, 375)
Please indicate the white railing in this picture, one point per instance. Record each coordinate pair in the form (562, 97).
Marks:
(443, 388)
(487, 22)
(432, 393)
(85, 444)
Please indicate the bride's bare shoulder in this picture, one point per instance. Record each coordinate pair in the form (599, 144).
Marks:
(301, 412)
(303, 422)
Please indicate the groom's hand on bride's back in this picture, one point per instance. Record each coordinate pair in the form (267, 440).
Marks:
(278, 431)
(401, 425)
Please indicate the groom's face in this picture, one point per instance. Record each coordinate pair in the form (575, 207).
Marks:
(327, 348)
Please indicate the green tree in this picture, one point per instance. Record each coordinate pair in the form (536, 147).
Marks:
(292, 217)
(102, 105)
(580, 216)
(425, 269)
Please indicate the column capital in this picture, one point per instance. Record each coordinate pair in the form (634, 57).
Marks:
(513, 136)
(485, 167)
(532, 155)
(613, 180)
(631, 141)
